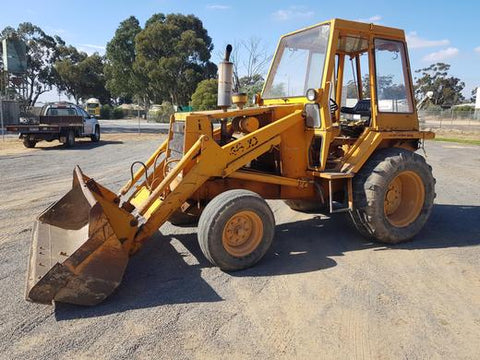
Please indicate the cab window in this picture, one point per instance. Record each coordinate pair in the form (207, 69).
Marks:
(392, 81)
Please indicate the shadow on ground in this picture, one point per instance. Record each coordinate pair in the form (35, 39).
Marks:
(158, 275)
(80, 145)
(133, 130)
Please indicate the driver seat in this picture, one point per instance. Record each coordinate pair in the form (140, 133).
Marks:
(362, 108)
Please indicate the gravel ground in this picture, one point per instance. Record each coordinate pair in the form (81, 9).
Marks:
(322, 291)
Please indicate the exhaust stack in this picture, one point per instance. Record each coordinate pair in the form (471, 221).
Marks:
(225, 80)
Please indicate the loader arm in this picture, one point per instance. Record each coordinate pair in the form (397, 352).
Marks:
(211, 160)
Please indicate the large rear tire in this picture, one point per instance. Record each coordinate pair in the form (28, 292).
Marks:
(393, 196)
(236, 229)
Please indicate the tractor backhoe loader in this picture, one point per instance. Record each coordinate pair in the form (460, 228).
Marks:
(335, 129)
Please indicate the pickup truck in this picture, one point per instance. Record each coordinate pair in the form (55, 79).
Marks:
(59, 121)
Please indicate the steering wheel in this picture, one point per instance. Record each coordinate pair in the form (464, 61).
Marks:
(333, 105)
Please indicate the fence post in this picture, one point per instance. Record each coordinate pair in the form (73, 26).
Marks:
(1, 119)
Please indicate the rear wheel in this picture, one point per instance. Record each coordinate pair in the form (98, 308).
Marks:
(70, 141)
(28, 143)
(95, 137)
(236, 229)
(393, 196)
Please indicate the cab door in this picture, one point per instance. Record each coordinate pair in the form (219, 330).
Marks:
(394, 108)
(88, 121)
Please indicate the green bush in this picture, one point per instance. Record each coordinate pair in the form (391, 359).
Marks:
(464, 108)
(117, 113)
(105, 111)
(205, 95)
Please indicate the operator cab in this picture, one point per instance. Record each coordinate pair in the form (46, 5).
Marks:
(349, 77)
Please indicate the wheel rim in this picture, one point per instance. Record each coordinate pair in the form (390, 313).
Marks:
(404, 199)
(242, 233)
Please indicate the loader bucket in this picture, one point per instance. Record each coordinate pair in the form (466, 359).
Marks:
(76, 255)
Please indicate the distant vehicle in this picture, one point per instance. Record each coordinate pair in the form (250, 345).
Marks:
(61, 121)
(93, 106)
(154, 112)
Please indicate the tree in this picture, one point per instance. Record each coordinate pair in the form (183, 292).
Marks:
(41, 56)
(250, 59)
(121, 79)
(447, 90)
(473, 97)
(81, 76)
(173, 51)
(205, 96)
(385, 86)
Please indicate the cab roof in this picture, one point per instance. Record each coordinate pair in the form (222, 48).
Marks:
(357, 27)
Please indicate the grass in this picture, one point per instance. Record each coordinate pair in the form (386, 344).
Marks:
(456, 140)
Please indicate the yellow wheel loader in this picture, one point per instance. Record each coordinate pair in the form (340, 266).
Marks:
(334, 128)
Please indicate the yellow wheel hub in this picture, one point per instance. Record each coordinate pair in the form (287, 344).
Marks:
(404, 199)
(242, 233)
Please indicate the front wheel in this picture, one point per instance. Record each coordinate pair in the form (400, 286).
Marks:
(95, 137)
(236, 229)
(28, 143)
(393, 196)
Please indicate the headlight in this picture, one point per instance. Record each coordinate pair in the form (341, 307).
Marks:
(311, 94)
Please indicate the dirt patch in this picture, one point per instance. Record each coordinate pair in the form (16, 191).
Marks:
(456, 134)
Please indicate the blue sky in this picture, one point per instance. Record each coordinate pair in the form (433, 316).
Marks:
(436, 31)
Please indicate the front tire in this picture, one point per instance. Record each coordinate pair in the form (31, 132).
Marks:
(236, 229)
(393, 196)
(28, 143)
(96, 135)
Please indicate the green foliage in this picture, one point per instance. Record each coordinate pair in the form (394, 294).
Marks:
(105, 111)
(81, 76)
(117, 113)
(251, 85)
(463, 108)
(121, 79)
(161, 113)
(173, 51)
(447, 90)
(205, 96)
(42, 52)
(473, 94)
(386, 88)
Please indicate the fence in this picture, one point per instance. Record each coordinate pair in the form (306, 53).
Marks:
(466, 120)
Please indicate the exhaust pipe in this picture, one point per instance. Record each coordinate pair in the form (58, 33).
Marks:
(225, 80)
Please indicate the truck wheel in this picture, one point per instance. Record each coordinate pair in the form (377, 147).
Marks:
(96, 135)
(305, 206)
(393, 196)
(28, 143)
(70, 139)
(236, 229)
